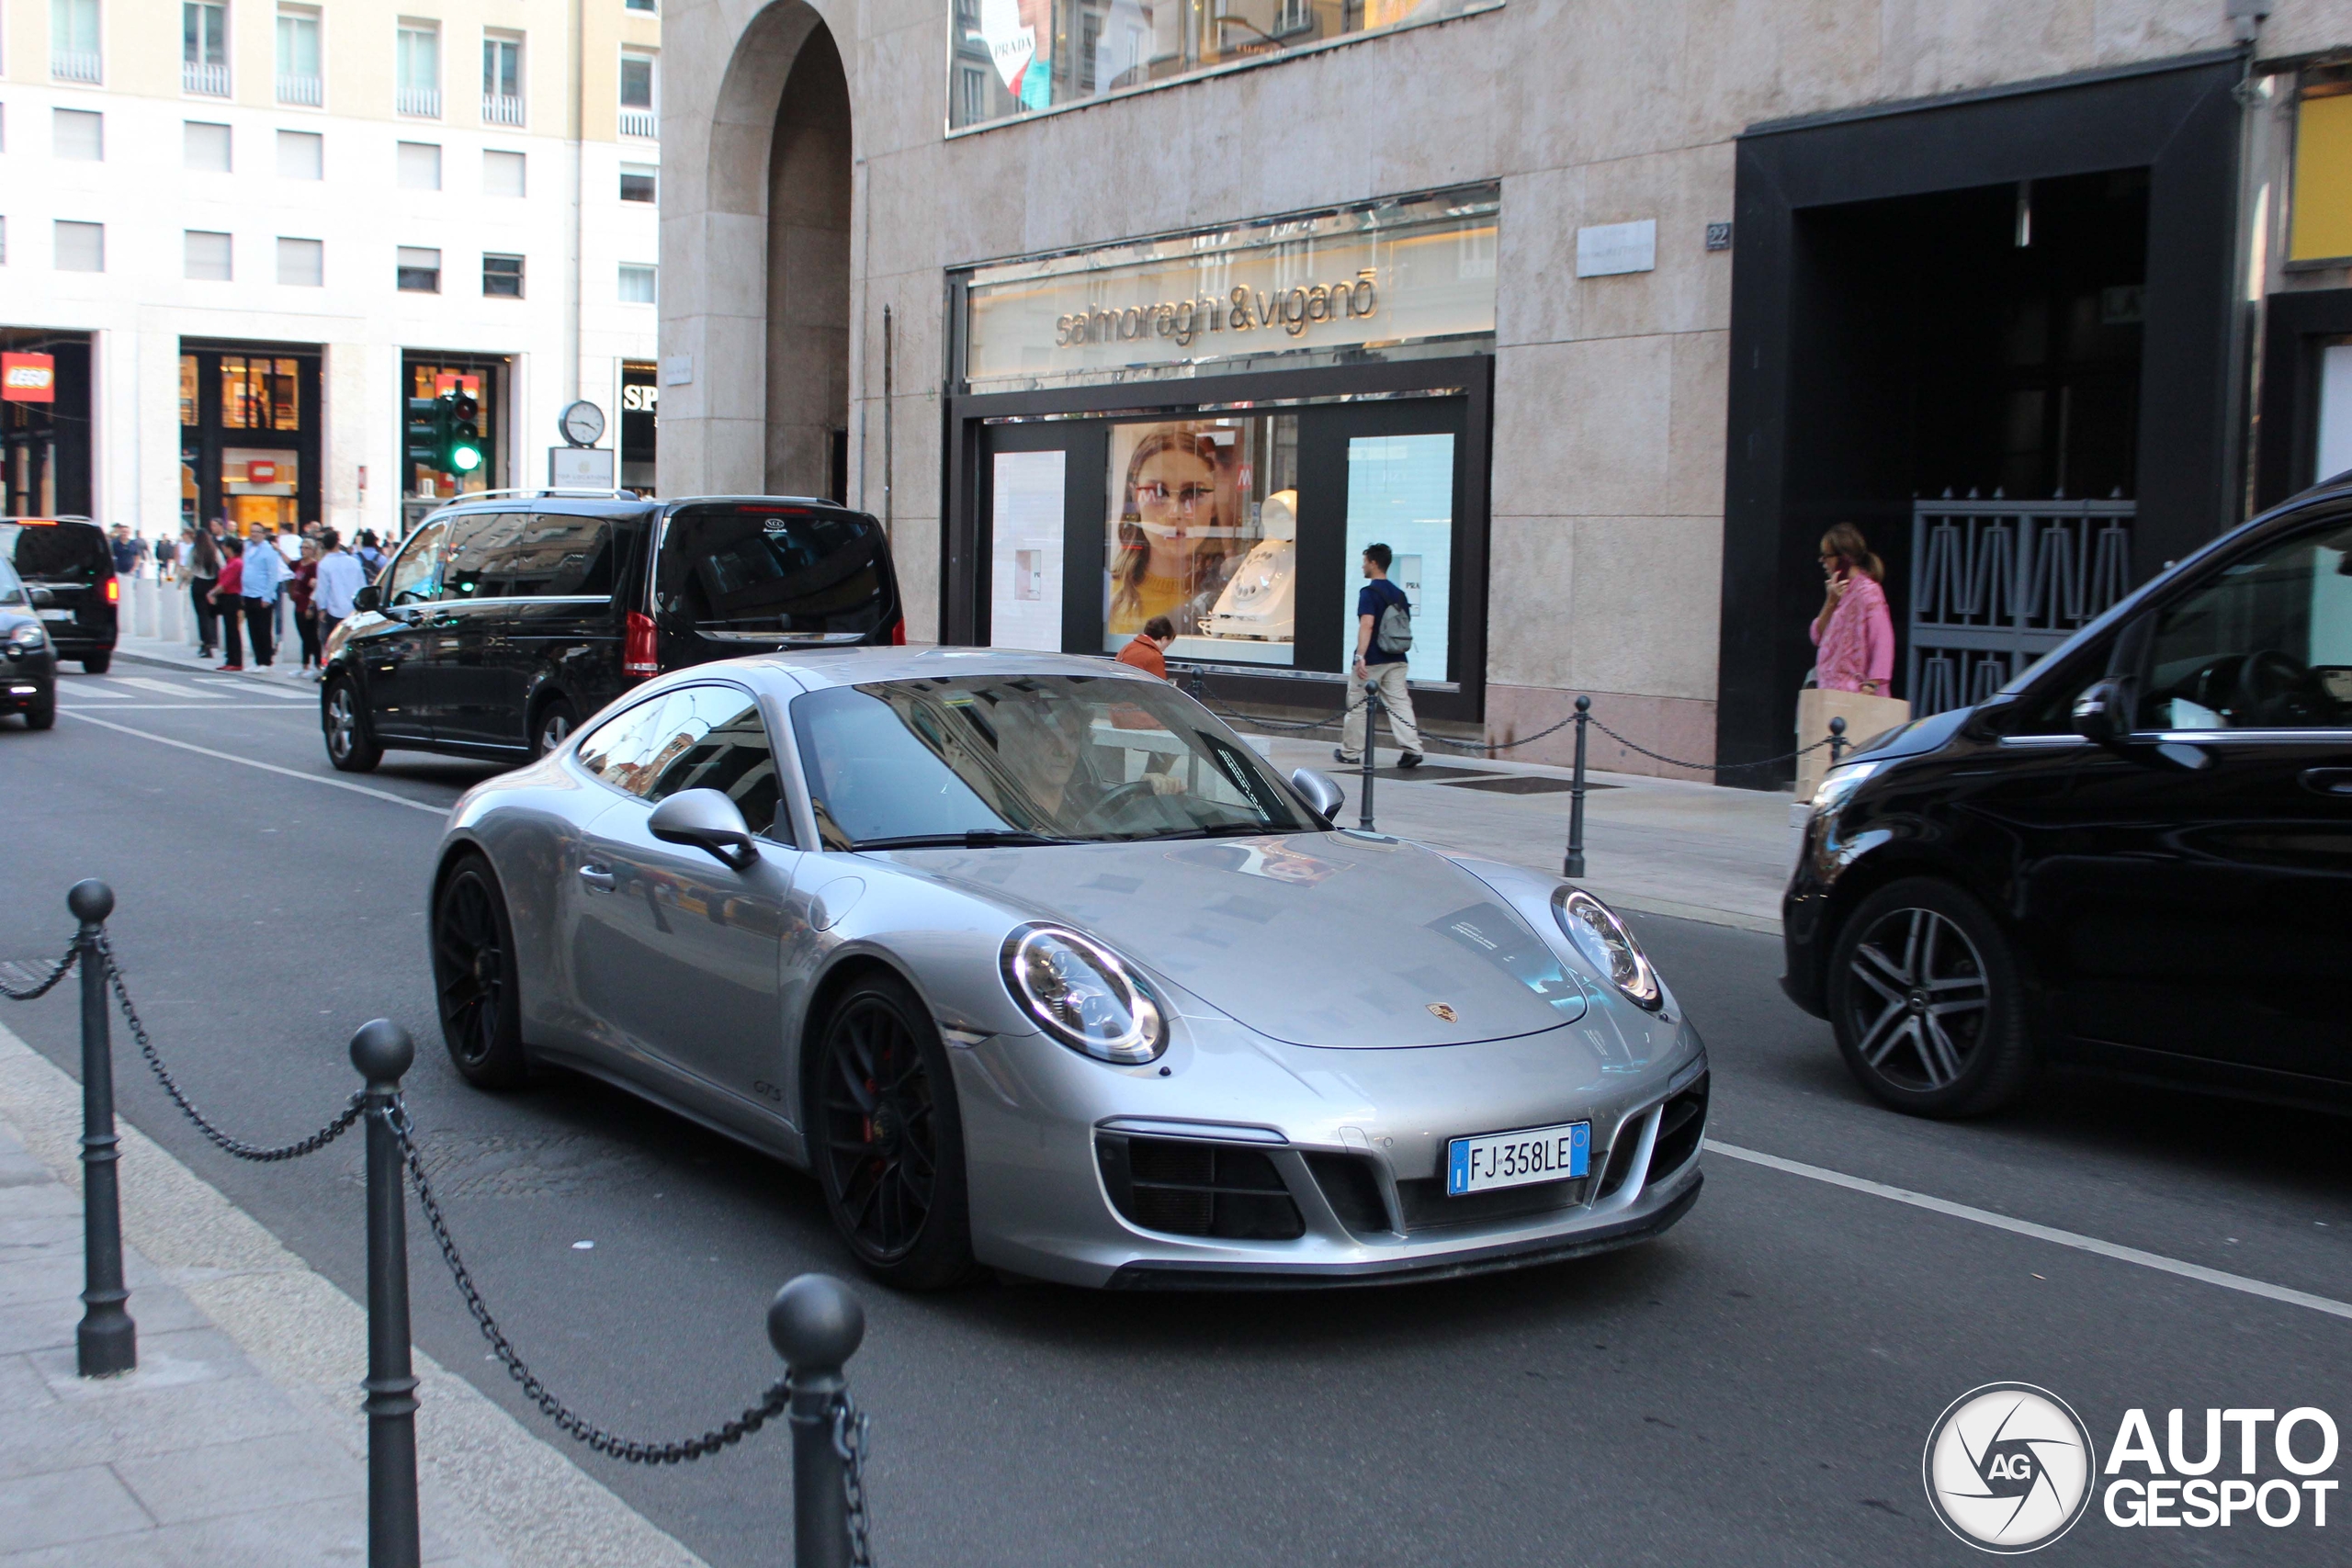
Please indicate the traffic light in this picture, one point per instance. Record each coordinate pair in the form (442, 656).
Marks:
(424, 432)
(460, 436)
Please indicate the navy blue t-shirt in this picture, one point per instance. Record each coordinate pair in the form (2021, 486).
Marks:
(1377, 596)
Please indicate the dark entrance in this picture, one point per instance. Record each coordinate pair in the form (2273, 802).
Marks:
(45, 444)
(249, 434)
(2023, 294)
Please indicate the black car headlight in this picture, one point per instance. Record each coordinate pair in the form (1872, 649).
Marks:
(27, 637)
(1831, 792)
(1083, 995)
(1604, 941)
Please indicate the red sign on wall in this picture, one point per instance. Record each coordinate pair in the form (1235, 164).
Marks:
(28, 378)
(261, 473)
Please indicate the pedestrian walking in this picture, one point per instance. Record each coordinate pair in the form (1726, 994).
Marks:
(203, 576)
(167, 558)
(340, 578)
(300, 589)
(1854, 631)
(1383, 637)
(227, 598)
(125, 549)
(265, 577)
(371, 555)
(1146, 649)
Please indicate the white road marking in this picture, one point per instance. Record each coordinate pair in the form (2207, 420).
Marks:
(266, 767)
(186, 707)
(2081, 1243)
(85, 688)
(169, 688)
(255, 689)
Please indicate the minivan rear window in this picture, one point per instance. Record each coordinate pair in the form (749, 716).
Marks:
(771, 570)
(54, 552)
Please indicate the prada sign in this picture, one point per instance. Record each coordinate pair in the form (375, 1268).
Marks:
(1388, 273)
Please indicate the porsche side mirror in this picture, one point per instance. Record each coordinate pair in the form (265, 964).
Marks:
(369, 597)
(707, 821)
(1317, 790)
(2103, 713)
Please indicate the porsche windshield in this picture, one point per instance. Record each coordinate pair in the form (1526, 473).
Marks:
(990, 759)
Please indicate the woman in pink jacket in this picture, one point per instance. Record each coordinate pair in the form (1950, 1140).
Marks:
(1854, 632)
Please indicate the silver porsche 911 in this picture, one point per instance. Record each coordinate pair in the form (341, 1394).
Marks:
(1037, 965)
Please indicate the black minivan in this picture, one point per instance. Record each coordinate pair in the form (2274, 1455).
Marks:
(68, 568)
(506, 619)
(2136, 857)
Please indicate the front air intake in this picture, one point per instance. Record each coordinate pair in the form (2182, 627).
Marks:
(1679, 1127)
(1184, 1187)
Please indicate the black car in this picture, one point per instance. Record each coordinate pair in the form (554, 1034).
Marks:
(2136, 857)
(27, 661)
(69, 566)
(504, 621)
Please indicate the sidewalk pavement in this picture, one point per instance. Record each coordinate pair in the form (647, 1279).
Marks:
(1679, 847)
(239, 1440)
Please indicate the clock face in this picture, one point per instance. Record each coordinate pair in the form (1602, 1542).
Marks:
(583, 421)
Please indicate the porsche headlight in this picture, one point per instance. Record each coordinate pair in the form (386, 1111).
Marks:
(1602, 938)
(1831, 792)
(28, 637)
(1083, 995)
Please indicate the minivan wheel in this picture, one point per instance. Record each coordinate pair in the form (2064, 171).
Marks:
(474, 975)
(351, 746)
(1924, 1000)
(558, 719)
(887, 1139)
(97, 663)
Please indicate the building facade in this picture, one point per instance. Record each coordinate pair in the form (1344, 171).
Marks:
(240, 235)
(1597, 313)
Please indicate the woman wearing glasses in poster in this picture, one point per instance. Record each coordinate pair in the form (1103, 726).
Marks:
(1170, 557)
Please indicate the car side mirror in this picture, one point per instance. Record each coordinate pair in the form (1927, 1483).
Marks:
(2103, 713)
(1318, 792)
(41, 597)
(369, 597)
(706, 819)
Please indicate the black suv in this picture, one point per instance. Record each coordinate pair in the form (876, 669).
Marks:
(2136, 857)
(504, 621)
(68, 567)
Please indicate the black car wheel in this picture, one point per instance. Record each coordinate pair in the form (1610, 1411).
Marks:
(888, 1141)
(1924, 1000)
(97, 663)
(351, 745)
(473, 975)
(558, 719)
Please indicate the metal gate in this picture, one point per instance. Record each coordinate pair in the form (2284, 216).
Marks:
(1995, 584)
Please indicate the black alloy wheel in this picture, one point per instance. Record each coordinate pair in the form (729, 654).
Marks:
(887, 1139)
(473, 979)
(558, 719)
(1924, 1000)
(351, 743)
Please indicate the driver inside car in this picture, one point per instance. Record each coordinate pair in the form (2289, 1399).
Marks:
(1048, 748)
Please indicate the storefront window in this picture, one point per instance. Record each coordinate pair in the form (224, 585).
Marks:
(1400, 493)
(187, 388)
(1013, 57)
(260, 394)
(1203, 528)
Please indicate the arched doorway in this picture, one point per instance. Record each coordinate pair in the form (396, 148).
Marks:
(807, 443)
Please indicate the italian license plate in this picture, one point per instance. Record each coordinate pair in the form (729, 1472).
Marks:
(57, 614)
(1517, 1159)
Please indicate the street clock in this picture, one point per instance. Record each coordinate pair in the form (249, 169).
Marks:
(582, 423)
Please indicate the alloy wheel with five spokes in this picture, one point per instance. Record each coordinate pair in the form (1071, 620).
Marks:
(1924, 999)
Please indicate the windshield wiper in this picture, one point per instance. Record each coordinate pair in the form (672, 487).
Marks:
(971, 838)
(1228, 830)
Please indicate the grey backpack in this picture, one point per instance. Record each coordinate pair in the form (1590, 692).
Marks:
(1396, 628)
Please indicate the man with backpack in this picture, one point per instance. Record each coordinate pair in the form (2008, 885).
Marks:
(1384, 637)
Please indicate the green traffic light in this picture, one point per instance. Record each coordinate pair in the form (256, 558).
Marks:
(465, 459)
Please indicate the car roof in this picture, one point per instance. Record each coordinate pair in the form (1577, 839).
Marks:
(857, 665)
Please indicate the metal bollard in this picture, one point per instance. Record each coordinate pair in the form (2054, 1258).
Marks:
(1574, 864)
(107, 1341)
(1838, 742)
(816, 1324)
(1371, 736)
(382, 1051)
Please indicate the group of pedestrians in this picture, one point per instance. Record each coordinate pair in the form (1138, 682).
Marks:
(240, 588)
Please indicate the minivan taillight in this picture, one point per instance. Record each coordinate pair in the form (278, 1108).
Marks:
(640, 654)
(114, 590)
(898, 632)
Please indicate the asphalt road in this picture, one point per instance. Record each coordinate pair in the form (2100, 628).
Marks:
(1756, 1388)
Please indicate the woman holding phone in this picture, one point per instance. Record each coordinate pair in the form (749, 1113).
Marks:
(1854, 632)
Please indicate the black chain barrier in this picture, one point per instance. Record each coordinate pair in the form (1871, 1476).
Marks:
(1833, 739)
(64, 968)
(220, 1140)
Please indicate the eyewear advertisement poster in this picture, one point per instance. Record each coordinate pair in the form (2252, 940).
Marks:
(1400, 493)
(1025, 586)
(1203, 528)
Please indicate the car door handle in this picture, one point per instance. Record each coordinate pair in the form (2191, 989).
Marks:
(2328, 781)
(598, 878)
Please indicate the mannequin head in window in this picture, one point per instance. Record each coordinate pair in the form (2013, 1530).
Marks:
(1171, 541)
